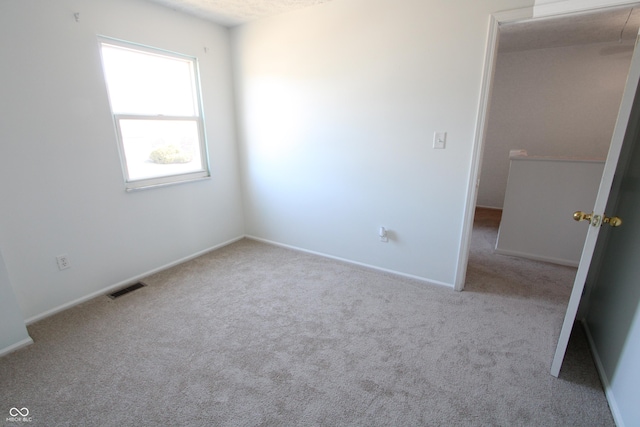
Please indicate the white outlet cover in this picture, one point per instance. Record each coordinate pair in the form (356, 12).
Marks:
(63, 262)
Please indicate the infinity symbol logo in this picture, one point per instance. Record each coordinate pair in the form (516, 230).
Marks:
(14, 412)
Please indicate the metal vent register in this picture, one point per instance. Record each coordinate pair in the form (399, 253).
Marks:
(126, 290)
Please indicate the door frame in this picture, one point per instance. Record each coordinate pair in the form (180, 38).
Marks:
(491, 54)
(488, 75)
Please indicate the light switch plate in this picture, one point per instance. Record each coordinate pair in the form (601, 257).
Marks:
(439, 140)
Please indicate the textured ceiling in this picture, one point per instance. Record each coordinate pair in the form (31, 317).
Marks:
(235, 12)
(585, 28)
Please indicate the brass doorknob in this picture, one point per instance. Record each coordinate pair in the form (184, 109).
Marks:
(582, 216)
(614, 221)
(597, 220)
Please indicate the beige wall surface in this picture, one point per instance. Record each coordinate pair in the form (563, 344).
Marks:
(558, 102)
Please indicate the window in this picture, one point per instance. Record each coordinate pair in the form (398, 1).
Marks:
(155, 101)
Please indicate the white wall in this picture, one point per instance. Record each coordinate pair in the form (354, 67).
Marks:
(63, 190)
(554, 7)
(339, 104)
(542, 194)
(558, 102)
(13, 333)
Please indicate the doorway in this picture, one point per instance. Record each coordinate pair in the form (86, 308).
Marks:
(553, 90)
(478, 159)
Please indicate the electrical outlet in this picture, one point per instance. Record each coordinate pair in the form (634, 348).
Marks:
(63, 262)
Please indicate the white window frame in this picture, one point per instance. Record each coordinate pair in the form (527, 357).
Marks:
(198, 118)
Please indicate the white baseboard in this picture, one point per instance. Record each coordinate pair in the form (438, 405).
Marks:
(560, 261)
(615, 411)
(139, 277)
(17, 346)
(126, 282)
(348, 261)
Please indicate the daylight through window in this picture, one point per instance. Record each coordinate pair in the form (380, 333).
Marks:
(155, 101)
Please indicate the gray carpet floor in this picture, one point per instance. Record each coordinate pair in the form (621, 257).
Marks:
(257, 335)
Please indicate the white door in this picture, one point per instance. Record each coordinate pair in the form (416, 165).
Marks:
(613, 316)
(624, 121)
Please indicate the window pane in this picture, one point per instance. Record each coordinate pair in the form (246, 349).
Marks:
(155, 102)
(156, 148)
(150, 84)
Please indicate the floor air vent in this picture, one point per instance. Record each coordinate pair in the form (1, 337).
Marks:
(126, 290)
